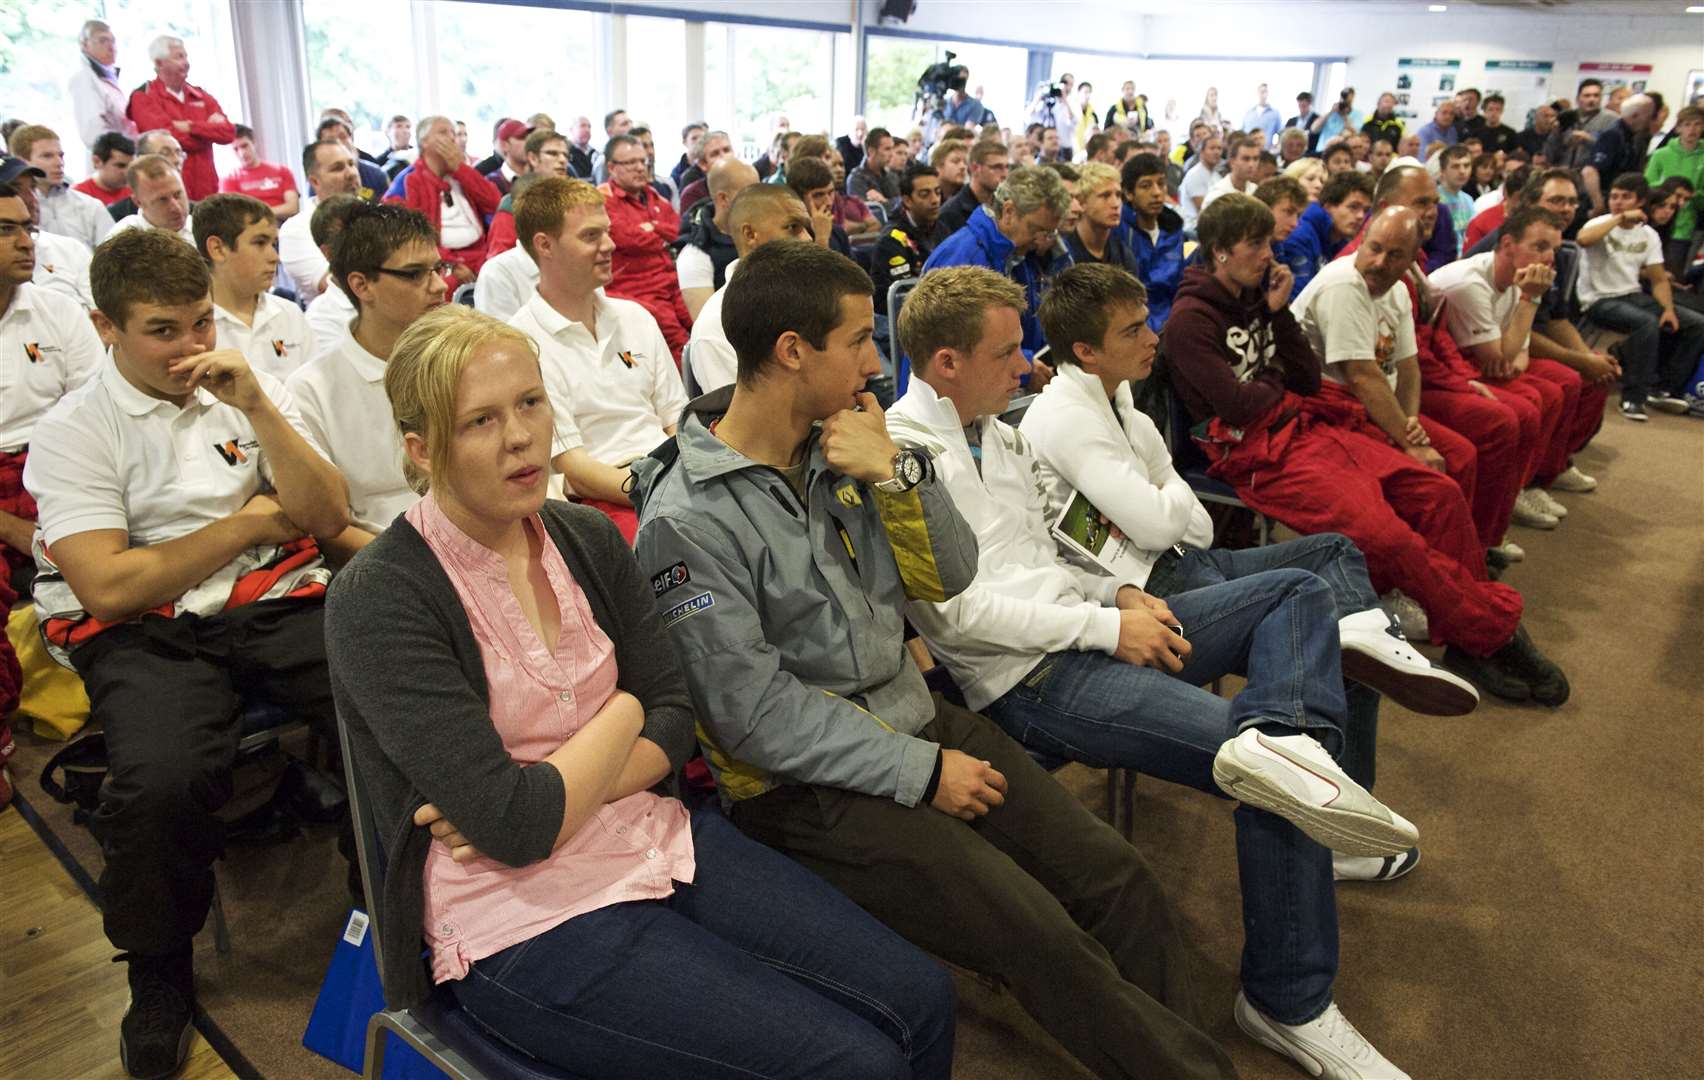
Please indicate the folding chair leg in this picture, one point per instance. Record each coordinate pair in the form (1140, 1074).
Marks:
(221, 932)
(1129, 804)
(373, 1062)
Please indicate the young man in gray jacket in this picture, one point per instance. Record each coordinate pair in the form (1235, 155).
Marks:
(785, 530)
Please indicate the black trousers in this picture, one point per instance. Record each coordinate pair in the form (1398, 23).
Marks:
(169, 694)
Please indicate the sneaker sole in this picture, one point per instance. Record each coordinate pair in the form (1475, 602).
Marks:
(1340, 830)
(1522, 691)
(1431, 693)
(1252, 1025)
(1673, 408)
(1547, 523)
(1395, 866)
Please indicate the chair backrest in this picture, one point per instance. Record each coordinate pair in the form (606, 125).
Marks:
(1015, 409)
(898, 362)
(463, 294)
(367, 846)
(686, 376)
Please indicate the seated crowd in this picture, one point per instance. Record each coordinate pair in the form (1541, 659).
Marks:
(653, 489)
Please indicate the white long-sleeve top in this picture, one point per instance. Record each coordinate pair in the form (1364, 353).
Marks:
(1026, 601)
(1118, 460)
(98, 103)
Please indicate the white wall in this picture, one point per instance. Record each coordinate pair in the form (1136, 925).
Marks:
(1672, 45)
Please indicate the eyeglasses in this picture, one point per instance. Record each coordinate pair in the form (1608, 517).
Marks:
(1558, 200)
(628, 164)
(9, 230)
(416, 274)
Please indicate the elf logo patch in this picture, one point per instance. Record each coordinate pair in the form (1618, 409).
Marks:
(673, 577)
(629, 358)
(278, 348)
(234, 452)
(33, 351)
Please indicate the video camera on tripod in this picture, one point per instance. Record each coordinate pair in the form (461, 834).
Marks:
(935, 83)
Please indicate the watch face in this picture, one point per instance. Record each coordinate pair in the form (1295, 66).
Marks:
(911, 469)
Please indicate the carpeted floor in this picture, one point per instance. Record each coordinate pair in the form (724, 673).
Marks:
(1555, 927)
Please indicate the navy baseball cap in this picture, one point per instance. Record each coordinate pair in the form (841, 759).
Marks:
(12, 167)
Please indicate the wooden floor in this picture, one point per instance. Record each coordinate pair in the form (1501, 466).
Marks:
(61, 997)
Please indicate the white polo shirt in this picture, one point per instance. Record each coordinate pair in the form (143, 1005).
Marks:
(1225, 186)
(277, 342)
(48, 348)
(137, 221)
(110, 457)
(340, 396)
(621, 387)
(1476, 309)
(505, 282)
(1344, 321)
(329, 316)
(694, 268)
(300, 256)
(714, 362)
(458, 223)
(62, 267)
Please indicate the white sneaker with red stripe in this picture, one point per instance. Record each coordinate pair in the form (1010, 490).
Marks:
(1292, 776)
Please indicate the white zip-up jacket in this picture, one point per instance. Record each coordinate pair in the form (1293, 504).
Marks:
(1118, 461)
(1025, 601)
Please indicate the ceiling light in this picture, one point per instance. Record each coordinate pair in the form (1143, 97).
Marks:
(1437, 7)
(1695, 9)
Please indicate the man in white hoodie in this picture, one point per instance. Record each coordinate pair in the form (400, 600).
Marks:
(1079, 664)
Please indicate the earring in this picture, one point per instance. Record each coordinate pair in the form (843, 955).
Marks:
(1221, 258)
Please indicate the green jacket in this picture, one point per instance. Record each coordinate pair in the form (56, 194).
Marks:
(1672, 160)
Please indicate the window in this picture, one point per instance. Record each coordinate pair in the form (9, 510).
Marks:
(1186, 82)
(656, 81)
(500, 60)
(893, 65)
(39, 52)
(342, 41)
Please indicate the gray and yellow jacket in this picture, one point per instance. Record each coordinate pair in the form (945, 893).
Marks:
(788, 618)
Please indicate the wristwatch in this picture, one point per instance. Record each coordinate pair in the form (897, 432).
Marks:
(910, 468)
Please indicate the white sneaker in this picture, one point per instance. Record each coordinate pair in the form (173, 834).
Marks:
(1328, 1046)
(1511, 551)
(1548, 501)
(1574, 480)
(1376, 654)
(1362, 868)
(1292, 776)
(1532, 513)
(1409, 615)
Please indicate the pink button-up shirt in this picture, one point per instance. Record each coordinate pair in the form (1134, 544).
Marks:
(632, 849)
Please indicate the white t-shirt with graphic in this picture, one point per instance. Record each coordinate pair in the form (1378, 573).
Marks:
(1610, 268)
(1344, 321)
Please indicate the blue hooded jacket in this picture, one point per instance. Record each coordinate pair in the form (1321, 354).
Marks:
(1308, 247)
(1159, 262)
(981, 243)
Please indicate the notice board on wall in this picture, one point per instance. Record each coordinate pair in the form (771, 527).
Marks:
(1422, 83)
(1634, 77)
(1524, 84)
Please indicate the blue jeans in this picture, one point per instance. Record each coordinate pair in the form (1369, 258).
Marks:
(1651, 357)
(1336, 560)
(757, 969)
(1279, 628)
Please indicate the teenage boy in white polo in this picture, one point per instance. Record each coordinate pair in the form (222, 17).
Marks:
(238, 236)
(179, 576)
(386, 263)
(47, 349)
(622, 389)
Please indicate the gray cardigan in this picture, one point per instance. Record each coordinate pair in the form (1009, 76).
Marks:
(409, 683)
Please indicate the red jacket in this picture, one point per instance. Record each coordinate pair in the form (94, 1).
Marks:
(153, 106)
(501, 236)
(419, 188)
(642, 226)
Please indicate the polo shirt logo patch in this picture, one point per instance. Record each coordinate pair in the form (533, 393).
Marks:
(278, 348)
(33, 351)
(671, 578)
(630, 358)
(687, 608)
(234, 452)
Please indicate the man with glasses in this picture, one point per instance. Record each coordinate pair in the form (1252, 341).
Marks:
(97, 99)
(158, 143)
(1017, 235)
(47, 348)
(443, 186)
(546, 155)
(61, 263)
(643, 225)
(161, 201)
(386, 262)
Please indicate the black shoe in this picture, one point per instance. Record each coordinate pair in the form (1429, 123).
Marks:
(1493, 674)
(1634, 410)
(1495, 563)
(1548, 684)
(154, 1038)
(312, 795)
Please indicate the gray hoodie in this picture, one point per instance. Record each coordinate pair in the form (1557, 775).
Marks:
(788, 618)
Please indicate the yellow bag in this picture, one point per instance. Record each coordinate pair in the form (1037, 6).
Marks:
(53, 696)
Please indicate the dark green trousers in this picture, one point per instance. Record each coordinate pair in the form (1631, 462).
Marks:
(1039, 892)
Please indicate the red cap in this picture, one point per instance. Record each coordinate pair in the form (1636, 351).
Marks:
(512, 129)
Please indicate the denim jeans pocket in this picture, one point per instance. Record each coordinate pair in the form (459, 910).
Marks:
(497, 967)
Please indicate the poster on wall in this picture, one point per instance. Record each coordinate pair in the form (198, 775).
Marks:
(1614, 76)
(1524, 84)
(1421, 83)
(1694, 86)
